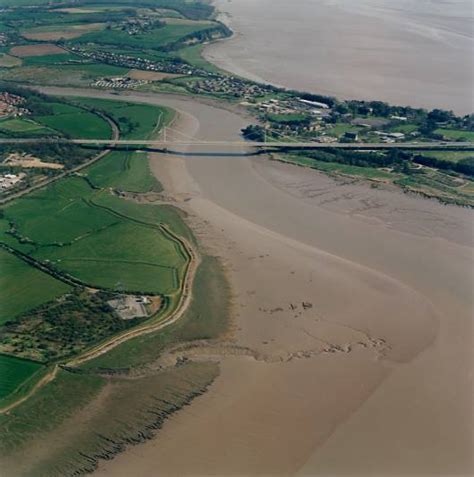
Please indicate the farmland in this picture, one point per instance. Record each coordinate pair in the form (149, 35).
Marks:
(74, 121)
(134, 120)
(87, 233)
(126, 171)
(23, 126)
(14, 372)
(24, 287)
(140, 29)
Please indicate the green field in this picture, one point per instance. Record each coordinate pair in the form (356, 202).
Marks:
(151, 40)
(76, 122)
(65, 213)
(452, 156)
(134, 120)
(455, 134)
(22, 126)
(193, 56)
(125, 256)
(100, 239)
(405, 128)
(14, 372)
(341, 128)
(23, 287)
(60, 58)
(126, 171)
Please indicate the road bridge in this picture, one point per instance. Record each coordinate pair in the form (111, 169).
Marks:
(285, 145)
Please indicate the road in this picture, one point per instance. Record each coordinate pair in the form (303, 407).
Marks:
(161, 144)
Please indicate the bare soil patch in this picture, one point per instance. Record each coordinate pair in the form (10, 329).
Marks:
(28, 161)
(36, 50)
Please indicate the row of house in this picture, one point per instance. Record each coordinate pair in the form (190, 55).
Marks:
(120, 82)
(139, 63)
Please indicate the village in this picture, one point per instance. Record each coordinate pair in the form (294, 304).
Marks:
(11, 105)
(139, 63)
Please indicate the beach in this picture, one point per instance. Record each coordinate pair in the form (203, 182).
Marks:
(351, 346)
(408, 53)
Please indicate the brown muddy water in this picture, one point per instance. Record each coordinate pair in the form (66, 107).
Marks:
(418, 53)
(353, 314)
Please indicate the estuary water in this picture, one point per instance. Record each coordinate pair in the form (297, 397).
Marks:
(351, 349)
(401, 51)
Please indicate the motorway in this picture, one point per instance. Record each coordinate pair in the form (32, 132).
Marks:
(161, 144)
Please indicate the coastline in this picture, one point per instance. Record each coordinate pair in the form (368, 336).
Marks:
(303, 351)
(353, 48)
(350, 325)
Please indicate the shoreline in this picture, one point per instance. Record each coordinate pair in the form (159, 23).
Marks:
(324, 81)
(255, 254)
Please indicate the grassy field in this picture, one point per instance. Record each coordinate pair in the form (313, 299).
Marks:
(125, 171)
(193, 56)
(340, 129)
(65, 213)
(452, 156)
(84, 233)
(23, 287)
(405, 128)
(14, 372)
(134, 120)
(76, 122)
(154, 39)
(455, 134)
(125, 256)
(23, 126)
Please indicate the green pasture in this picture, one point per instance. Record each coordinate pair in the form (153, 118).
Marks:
(193, 56)
(24, 287)
(452, 156)
(14, 372)
(125, 256)
(341, 128)
(80, 123)
(156, 38)
(455, 134)
(148, 213)
(126, 171)
(18, 125)
(135, 121)
(65, 213)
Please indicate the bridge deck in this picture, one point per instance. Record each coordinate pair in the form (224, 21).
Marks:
(161, 144)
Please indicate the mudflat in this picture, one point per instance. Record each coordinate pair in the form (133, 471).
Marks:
(351, 351)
